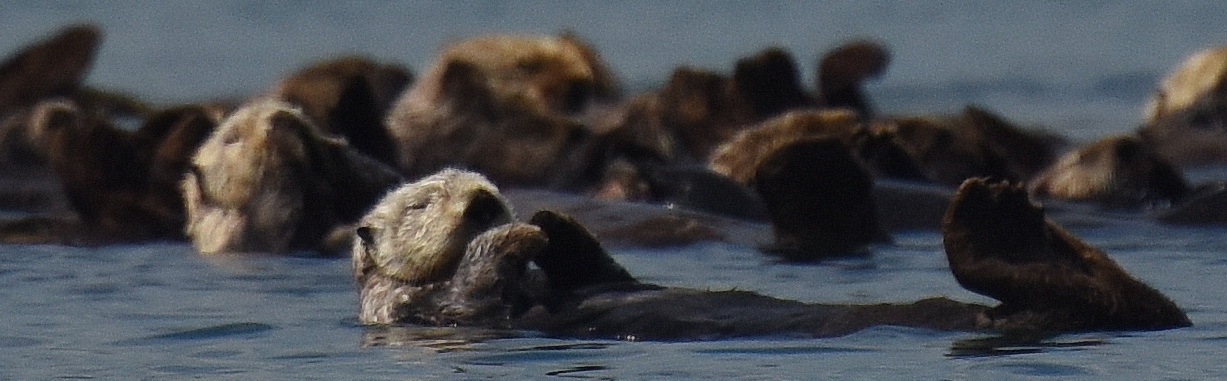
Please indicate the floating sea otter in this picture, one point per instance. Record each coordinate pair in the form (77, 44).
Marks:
(976, 143)
(269, 181)
(121, 185)
(448, 251)
(1186, 120)
(508, 106)
(1117, 171)
(125, 184)
(349, 97)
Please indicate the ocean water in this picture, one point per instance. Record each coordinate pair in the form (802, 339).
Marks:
(160, 311)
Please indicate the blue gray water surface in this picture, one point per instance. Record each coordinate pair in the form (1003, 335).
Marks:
(160, 311)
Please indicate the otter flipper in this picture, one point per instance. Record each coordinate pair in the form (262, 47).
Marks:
(843, 70)
(488, 284)
(52, 67)
(574, 258)
(1000, 245)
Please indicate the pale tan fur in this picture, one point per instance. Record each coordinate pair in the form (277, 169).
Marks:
(250, 199)
(419, 230)
(529, 80)
(1072, 178)
(1200, 76)
(535, 68)
(740, 157)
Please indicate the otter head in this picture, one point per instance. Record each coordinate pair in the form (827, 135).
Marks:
(419, 232)
(246, 186)
(1118, 171)
(559, 75)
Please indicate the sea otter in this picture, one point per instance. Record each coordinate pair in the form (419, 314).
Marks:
(267, 180)
(125, 184)
(447, 250)
(508, 106)
(976, 143)
(1186, 119)
(120, 185)
(349, 97)
(1117, 171)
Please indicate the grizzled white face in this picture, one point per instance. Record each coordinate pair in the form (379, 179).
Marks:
(418, 232)
(241, 193)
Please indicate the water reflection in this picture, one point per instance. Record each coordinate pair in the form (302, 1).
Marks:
(436, 339)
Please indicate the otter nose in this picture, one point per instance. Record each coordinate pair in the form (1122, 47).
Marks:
(487, 210)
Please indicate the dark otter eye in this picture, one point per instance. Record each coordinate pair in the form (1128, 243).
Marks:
(366, 235)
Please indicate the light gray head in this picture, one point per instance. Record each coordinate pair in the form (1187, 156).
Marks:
(243, 192)
(418, 233)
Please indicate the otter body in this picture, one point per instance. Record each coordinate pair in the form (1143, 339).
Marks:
(447, 251)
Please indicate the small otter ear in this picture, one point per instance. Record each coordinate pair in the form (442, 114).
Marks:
(293, 134)
(366, 234)
(287, 120)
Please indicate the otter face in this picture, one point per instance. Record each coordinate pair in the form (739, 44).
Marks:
(418, 233)
(1120, 171)
(546, 70)
(244, 188)
(243, 151)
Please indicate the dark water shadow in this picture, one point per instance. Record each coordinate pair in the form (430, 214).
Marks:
(207, 333)
(1008, 345)
(579, 372)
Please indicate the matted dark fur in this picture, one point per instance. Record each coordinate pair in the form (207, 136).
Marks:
(124, 184)
(1000, 245)
(52, 67)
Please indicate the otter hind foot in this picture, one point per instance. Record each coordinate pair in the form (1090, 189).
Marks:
(1000, 245)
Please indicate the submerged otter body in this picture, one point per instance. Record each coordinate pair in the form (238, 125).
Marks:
(447, 251)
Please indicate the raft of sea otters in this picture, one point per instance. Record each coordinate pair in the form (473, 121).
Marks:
(404, 171)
